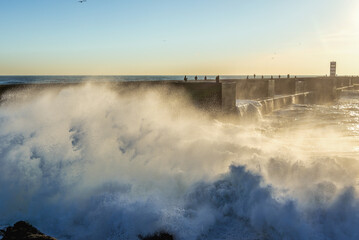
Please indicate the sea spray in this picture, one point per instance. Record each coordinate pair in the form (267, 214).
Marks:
(89, 163)
(249, 110)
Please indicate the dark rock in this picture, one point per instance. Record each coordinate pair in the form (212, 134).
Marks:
(158, 236)
(23, 231)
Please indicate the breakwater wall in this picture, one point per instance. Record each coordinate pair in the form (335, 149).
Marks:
(275, 93)
(209, 95)
(270, 94)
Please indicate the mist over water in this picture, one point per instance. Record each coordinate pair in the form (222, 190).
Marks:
(89, 163)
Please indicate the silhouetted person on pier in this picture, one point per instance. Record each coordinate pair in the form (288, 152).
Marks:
(295, 76)
(247, 76)
(271, 77)
(279, 76)
(195, 78)
(185, 78)
(254, 76)
(217, 79)
(262, 76)
(205, 78)
(288, 76)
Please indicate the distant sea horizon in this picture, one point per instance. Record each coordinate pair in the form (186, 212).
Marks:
(38, 79)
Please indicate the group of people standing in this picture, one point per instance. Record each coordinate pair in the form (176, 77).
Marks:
(205, 78)
(279, 76)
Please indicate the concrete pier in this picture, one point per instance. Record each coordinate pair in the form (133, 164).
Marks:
(208, 95)
(253, 88)
(221, 96)
(273, 94)
(284, 86)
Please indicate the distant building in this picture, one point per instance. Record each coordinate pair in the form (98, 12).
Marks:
(333, 69)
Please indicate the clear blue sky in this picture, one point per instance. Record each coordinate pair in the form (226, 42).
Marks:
(178, 37)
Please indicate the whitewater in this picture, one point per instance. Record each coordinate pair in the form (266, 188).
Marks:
(88, 162)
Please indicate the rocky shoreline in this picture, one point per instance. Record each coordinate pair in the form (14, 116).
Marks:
(25, 231)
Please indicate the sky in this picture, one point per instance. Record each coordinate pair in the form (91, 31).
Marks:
(167, 37)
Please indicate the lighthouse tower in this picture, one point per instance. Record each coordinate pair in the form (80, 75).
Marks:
(333, 69)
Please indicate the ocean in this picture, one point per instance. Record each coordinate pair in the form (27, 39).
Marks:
(82, 165)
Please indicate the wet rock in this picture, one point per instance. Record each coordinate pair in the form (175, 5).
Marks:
(23, 231)
(158, 236)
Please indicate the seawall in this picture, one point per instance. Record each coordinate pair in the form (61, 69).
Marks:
(209, 95)
(275, 93)
(221, 97)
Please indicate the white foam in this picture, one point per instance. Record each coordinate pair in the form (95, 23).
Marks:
(87, 163)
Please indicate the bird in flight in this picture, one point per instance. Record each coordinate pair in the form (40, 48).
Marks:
(82, 1)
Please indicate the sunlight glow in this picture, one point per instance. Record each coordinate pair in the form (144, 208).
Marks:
(355, 18)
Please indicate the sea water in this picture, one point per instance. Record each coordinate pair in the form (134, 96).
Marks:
(88, 163)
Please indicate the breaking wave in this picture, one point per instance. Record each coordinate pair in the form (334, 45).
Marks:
(89, 163)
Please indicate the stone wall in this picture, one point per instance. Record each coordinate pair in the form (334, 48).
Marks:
(206, 95)
(284, 86)
(254, 88)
